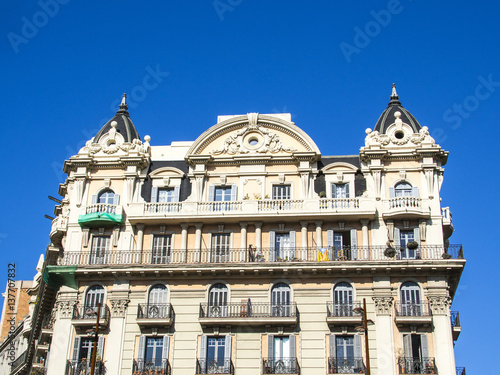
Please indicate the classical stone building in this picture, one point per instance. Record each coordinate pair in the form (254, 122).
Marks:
(247, 251)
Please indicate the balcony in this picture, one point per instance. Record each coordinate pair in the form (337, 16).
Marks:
(155, 211)
(460, 370)
(151, 367)
(46, 329)
(342, 314)
(455, 324)
(83, 368)
(248, 314)
(413, 314)
(154, 314)
(346, 366)
(213, 366)
(101, 214)
(237, 255)
(18, 362)
(280, 366)
(447, 222)
(411, 366)
(58, 229)
(85, 316)
(409, 207)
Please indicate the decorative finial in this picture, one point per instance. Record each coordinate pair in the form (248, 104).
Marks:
(123, 104)
(394, 94)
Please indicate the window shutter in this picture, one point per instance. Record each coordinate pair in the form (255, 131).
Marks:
(425, 346)
(397, 238)
(141, 352)
(116, 199)
(76, 348)
(100, 349)
(164, 354)
(177, 191)
(334, 191)
(354, 244)
(227, 354)
(154, 194)
(272, 240)
(234, 191)
(415, 192)
(416, 235)
(292, 242)
(211, 193)
(392, 193)
(333, 349)
(407, 345)
(293, 352)
(203, 354)
(357, 346)
(270, 346)
(330, 233)
(94, 199)
(347, 190)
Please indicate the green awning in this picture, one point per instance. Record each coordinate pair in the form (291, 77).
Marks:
(55, 276)
(99, 219)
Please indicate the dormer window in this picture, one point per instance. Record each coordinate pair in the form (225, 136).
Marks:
(282, 192)
(107, 197)
(403, 189)
(340, 190)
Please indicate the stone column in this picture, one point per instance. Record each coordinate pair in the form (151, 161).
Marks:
(385, 350)
(243, 241)
(140, 243)
(365, 244)
(303, 232)
(61, 346)
(258, 235)
(197, 241)
(114, 341)
(184, 240)
(319, 233)
(442, 335)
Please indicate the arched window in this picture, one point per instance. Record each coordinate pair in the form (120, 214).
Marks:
(157, 302)
(217, 300)
(280, 300)
(106, 197)
(410, 299)
(94, 297)
(342, 300)
(403, 189)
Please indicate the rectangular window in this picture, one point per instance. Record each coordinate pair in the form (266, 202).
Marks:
(99, 253)
(406, 236)
(215, 352)
(85, 349)
(342, 245)
(282, 246)
(222, 193)
(220, 247)
(154, 351)
(166, 195)
(416, 356)
(281, 355)
(162, 246)
(282, 192)
(340, 190)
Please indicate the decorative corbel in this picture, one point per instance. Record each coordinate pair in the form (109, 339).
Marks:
(85, 236)
(390, 230)
(116, 236)
(423, 229)
(429, 176)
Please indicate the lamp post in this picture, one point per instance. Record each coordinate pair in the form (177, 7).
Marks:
(364, 328)
(96, 341)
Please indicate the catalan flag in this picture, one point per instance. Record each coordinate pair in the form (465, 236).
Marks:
(323, 254)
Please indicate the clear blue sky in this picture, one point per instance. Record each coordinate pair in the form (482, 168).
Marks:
(331, 64)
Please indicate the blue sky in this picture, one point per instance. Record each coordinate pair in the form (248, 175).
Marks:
(331, 64)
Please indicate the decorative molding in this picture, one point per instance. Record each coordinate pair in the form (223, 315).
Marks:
(440, 305)
(65, 309)
(85, 236)
(116, 236)
(119, 307)
(423, 230)
(383, 305)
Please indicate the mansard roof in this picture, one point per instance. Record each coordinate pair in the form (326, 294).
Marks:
(124, 126)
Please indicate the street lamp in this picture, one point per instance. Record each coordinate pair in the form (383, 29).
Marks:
(364, 328)
(93, 356)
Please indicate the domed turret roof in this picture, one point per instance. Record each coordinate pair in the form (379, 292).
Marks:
(124, 126)
(387, 117)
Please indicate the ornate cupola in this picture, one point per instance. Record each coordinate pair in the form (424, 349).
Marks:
(124, 125)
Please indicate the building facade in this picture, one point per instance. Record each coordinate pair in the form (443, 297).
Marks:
(249, 252)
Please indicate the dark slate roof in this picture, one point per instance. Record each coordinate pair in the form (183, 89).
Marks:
(359, 179)
(185, 190)
(125, 125)
(387, 117)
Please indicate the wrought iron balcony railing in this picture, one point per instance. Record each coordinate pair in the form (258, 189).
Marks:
(151, 367)
(90, 313)
(265, 255)
(83, 368)
(214, 366)
(460, 370)
(412, 309)
(248, 310)
(455, 319)
(341, 309)
(154, 311)
(346, 365)
(409, 365)
(19, 360)
(280, 366)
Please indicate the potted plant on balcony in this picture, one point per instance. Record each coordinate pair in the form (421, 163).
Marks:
(446, 256)
(390, 252)
(412, 245)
